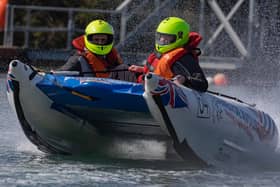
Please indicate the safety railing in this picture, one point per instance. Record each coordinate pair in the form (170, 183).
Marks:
(27, 28)
(118, 18)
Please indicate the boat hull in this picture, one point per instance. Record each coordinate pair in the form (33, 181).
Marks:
(221, 131)
(58, 115)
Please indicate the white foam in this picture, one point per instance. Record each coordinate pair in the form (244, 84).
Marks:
(25, 146)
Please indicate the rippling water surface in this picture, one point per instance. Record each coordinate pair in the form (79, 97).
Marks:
(21, 164)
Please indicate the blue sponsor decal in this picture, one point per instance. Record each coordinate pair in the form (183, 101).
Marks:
(260, 122)
(9, 84)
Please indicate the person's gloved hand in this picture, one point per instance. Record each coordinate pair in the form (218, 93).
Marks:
(135, 68)
(179, 79)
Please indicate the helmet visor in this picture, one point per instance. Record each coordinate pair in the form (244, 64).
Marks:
(165, 39)
(100, 39)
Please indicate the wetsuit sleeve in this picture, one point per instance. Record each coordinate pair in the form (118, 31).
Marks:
(190, 69)
(72, 64)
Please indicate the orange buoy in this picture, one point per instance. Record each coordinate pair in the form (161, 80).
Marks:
(220, 79)
(3, 4)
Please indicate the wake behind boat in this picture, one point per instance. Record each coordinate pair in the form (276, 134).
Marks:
(68, 114)
(221, 131)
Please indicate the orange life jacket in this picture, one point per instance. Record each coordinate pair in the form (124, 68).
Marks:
(97, 63)
(162, 66)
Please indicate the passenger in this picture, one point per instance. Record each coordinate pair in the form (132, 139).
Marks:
(95, 54)
(176, 55)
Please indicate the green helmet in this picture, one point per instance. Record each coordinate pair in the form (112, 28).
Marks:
(99, 27)
(176, 30)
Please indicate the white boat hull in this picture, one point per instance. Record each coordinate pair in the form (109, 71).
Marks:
(54, 128)
(221, 131)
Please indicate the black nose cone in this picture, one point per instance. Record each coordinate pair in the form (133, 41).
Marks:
(14, 63)
(149, 76)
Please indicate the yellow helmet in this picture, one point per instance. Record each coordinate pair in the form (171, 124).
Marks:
(175, 31)
(98, 27)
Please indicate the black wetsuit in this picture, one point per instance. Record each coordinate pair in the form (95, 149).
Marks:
(190, 69)
(74, 63)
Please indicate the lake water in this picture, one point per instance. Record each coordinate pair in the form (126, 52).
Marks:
(21, 164)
